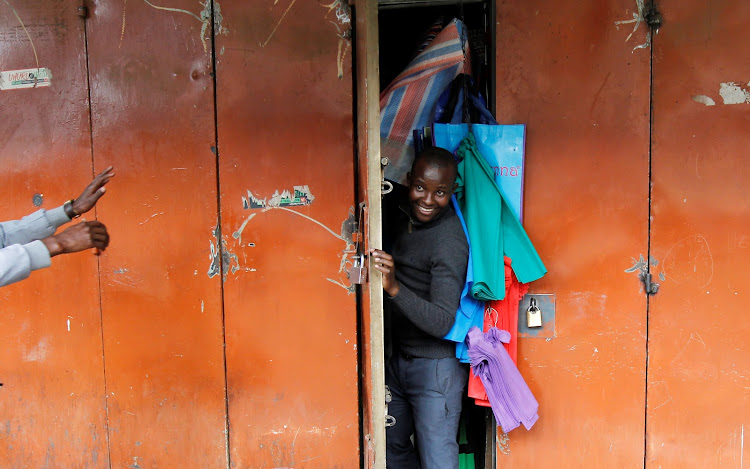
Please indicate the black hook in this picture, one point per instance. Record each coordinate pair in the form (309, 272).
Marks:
(652, 16)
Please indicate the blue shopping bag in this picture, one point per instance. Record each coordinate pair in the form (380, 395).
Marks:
(502, 146)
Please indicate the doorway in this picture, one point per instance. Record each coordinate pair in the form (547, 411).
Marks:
(404, 27)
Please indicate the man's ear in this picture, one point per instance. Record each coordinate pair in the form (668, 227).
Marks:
(455, 186)
(408, 178)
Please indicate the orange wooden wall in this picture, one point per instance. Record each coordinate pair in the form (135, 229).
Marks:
(630, 381)
(187, 346)
(567, 72)
(147, 357)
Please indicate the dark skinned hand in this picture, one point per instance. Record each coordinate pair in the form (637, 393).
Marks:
(383, 262)
(84, 235)
(92, 192)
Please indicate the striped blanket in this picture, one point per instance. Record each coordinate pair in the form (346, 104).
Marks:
(408, 103)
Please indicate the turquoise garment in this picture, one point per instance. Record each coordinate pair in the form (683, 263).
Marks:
(470, 310)
(493, 229)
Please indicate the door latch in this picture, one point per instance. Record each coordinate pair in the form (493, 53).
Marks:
(650, 287)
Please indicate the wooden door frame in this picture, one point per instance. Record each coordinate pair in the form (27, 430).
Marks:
(370, 175)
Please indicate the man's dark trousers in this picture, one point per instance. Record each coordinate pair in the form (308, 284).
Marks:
(427, 396)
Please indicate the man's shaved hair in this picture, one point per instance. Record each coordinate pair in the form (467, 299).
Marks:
(440, 157)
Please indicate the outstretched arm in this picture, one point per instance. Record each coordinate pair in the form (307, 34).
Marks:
(28, 244)
(44, 223)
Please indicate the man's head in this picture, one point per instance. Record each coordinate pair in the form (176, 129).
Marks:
(432, 181)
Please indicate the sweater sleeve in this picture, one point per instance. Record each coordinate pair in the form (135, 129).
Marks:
(17, 261)
(448, 275)
(38, 225)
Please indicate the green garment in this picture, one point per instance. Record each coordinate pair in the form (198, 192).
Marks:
(493, 229)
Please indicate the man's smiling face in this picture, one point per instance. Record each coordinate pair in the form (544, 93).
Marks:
(430, 189)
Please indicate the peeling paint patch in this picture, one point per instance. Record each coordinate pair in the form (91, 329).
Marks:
(300, 196)
(221, 258)
(732, 93)
(704, 100)
(206, 19)
(27, 78)
(638, 265)
(503, 443)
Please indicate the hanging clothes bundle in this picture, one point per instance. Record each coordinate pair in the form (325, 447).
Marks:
(511, 399)
(493, 229)
(408, 102)
(503, 315)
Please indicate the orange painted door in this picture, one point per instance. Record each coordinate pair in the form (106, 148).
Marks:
(285, 124)
(52, 407)
(578, 82)
(699, 358)
(153, 118)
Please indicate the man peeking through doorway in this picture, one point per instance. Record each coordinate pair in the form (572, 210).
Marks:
(423, 277)
(28, 244)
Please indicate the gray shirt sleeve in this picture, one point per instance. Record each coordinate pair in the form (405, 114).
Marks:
(17, 261)
(38, 225)
(21, 251)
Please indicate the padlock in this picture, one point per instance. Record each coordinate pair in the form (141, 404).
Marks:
(533, 315)
(358, 271)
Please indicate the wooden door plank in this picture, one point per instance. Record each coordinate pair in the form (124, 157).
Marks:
(370, 176)
(153, 119)
(567, 71)
(51, 368)
(285, 123)
(698, 348)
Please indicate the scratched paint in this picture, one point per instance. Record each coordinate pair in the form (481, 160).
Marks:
(640, 264)
(343, 31)
(636, 21)
(33, 47)
(689, 261)
(300, 197)
(342, 24)
(204, 18)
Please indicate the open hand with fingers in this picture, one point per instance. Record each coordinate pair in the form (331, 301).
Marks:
(84, 235)
(91, 194)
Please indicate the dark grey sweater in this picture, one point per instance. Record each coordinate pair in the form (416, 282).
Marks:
(431, 261)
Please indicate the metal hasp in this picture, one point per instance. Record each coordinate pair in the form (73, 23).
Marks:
(652, 16)
(650, 287)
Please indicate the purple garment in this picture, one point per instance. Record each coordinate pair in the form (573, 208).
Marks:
(510, 397)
